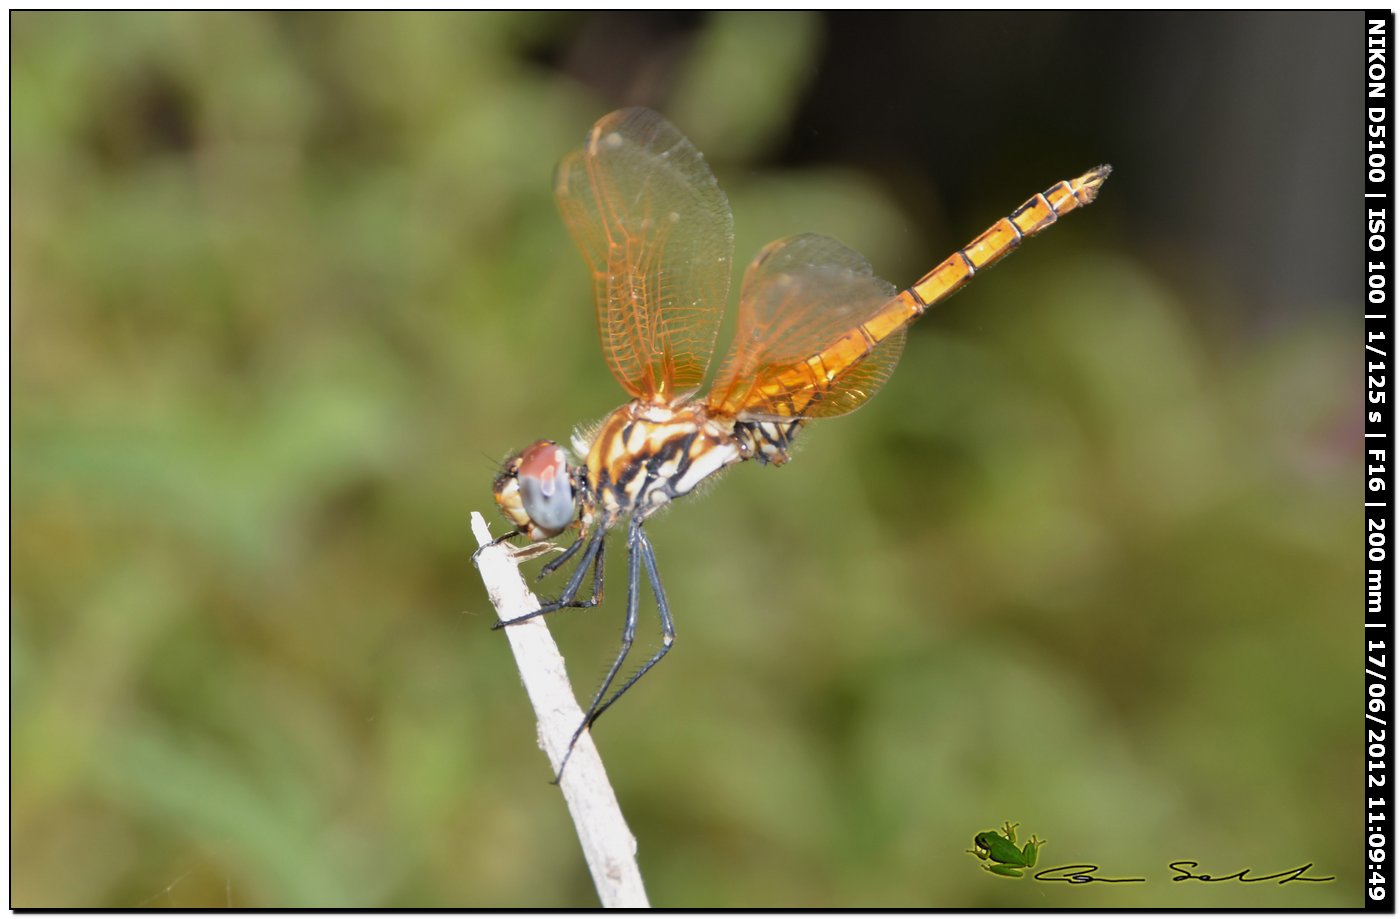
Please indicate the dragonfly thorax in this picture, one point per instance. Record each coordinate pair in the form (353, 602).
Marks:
(645, 454)
(636, 461)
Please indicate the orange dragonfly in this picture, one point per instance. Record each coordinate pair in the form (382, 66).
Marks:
(818, 334)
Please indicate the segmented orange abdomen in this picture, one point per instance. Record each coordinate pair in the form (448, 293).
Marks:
(843, 356)
(1006, 234)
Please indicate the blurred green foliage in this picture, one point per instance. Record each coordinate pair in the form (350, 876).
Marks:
(286, 288)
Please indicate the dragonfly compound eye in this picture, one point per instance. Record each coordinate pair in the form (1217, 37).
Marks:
(546, 492)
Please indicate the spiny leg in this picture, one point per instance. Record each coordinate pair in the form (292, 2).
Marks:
(551, 567)
(629, 632)
(593, 555)
(663, 609)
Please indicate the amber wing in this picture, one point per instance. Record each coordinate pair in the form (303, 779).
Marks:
(802, 348)
(655, 228)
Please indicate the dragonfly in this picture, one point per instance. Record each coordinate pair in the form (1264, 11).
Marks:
(818, 334)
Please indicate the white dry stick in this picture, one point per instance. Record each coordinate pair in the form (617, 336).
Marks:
(608, 845)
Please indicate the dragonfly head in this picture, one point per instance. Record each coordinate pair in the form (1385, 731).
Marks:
(535, 490)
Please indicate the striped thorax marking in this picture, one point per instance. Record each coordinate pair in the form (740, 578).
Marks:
(644, 454)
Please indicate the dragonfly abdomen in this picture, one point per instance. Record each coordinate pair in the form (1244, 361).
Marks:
(799, 388)
(767, 441)
(1005, 235)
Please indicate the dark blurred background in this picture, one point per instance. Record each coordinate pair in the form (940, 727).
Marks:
(286, 288)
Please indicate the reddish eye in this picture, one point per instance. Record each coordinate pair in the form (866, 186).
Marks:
(545, 490)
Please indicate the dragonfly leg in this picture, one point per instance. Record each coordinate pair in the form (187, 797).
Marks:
(495, 542)
(551, 567)
(639, 553)
(629, 633)
(663, 609)
(592, 555)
